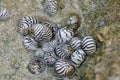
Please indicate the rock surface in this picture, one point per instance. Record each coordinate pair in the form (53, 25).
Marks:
(104, 65)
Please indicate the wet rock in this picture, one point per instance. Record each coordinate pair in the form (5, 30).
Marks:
(16, 65)
(104, 65)
(109, 65)
(101, 23)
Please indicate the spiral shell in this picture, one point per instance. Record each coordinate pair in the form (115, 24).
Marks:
(64, 68)
(29, 43)
(64, 35)
(75, 42)
(36, 65)
(41, 33)
(49, 58)
(50, 26)
(77, 57)
(49, 46)
(51, 6)
(64, 51)
(89, 45)
(26, 23)
(73, 22)
(4, 13)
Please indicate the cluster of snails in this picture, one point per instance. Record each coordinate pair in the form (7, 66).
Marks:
(62, 49)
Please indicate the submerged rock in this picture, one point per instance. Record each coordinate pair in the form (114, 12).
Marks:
(108, 67)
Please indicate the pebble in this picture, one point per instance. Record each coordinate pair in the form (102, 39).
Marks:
(101, 23)
(16, 65)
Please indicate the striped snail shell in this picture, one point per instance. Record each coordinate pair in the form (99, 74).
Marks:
(64, 35)
(77, 57)
(49, 46)
(50, 26)
(56, 27)
(51, 6)
(49, 58)
(29, 43)
(4, 14)
(73, 22)
(26, 23)
(41, 33)
(75, 42)
(36, 65)
(64, 51)
(88, 45)
(64, 68)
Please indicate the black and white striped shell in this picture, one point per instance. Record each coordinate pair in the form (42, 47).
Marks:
(49, 46)
(64, 35)
(29, 43)
(77, 57)
(26, 23)
(64, 68)
(64, 51)
(41, 33)
(57, 27)
(4, 13)
(51, 6)
(75, 42)
(49, 58)
(73, 22)
(36, 65)
(50, 26)
(88, 45)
